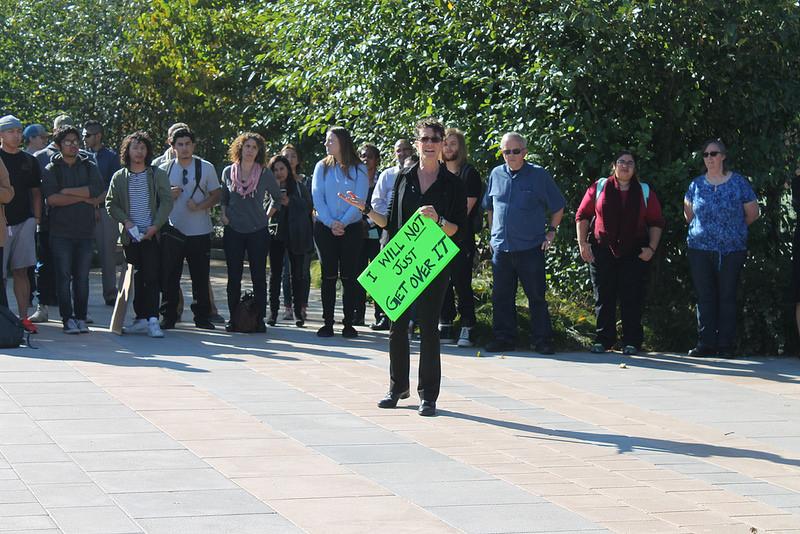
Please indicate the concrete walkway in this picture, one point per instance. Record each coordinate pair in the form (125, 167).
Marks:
(209, 432)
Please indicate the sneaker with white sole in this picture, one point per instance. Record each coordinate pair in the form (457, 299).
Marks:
(40, 315)
(288, 313)
(71, 327)
(83, 327)
(463, 339)
(89, 319)
(139, 326)
(153, 328)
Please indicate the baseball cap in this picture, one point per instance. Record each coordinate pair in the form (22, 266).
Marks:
(9, 122)
(32, 130)
(62, 120)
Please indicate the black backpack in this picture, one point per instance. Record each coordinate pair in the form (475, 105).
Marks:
(12, 333)
(245, 317)
(198, 174)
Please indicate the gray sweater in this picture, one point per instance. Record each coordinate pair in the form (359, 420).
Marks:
(249, 214)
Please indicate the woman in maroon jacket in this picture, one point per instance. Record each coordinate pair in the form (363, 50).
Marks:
(627, 228)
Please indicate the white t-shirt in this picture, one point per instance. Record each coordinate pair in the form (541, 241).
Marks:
(188, 222)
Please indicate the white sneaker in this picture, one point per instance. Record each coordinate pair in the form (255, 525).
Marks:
(463, 339)
(83, 327)
(139, 326)
(89, 319)
(446, 333)
(153, 328)
(40, 315)
(288, 314)
(71, 327)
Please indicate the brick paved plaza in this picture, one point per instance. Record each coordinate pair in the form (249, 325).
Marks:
(219, 433)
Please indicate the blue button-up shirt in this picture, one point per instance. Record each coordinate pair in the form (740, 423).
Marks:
(328, 182)
(519, 202)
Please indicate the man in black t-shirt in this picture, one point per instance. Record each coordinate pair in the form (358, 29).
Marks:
(454, 152)
(22, 213)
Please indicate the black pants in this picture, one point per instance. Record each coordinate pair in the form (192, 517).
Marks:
(145, 256)
(369, 250)
(45, 273)
(256, 245)
(461, 285)
(277, 251)
(196, 250)
(618, 279)
(3, 296)
(427, 308)
(339, 259)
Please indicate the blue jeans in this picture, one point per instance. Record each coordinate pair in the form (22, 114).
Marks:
(716, 277)
(527, 268)
(72, 259)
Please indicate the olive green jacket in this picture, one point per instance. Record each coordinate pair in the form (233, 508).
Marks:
(118, 204)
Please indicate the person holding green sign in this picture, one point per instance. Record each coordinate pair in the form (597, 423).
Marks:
(429, 189)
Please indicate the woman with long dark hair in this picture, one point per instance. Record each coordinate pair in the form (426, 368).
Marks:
(337, 231)
(247, 181)
(291, 233)
(627, 228)
(719, 206)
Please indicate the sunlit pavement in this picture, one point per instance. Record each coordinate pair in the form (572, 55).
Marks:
(215, 432)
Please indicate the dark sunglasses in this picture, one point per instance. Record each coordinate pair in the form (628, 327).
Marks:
(185, 177)
(712, 154)
(515, 151)
(426, 139)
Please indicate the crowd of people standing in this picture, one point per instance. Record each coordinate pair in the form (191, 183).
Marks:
(65, 198)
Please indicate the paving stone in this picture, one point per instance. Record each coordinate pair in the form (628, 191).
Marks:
(20, 509)
(94, 520)
(118, 442)
(272, 488)
(223, 448)
(44, 452)
(190, 503)
(79, 427)
(24, 524)
(70, 495)
(472, 492)
(410, 472)
(16, 496)
(137, 460)
(51, 473)
(536, 517)
(403, 452)
(161, 480)
(240, 524)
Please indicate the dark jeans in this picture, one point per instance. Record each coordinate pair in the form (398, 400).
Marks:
(277, 252)
(526, 267)
(461, 285)
(301, 292)
(72, 259)
(369, 250)
(427, 308)
(620, 279)
(3, 296)
(196, 250)
(339, 259)
(716, 277)
(145, 256)
(256, 245)
(45, 272)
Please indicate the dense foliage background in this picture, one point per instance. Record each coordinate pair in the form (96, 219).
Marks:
(580, 78)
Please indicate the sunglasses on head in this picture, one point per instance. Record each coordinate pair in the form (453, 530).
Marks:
(712, 154)
(515, 151)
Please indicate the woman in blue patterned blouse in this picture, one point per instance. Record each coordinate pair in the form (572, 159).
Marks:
(719, 206)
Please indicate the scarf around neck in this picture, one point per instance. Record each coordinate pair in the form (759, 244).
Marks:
(620, 222)
(245, 186)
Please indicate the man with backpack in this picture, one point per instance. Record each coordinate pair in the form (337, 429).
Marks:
(455, 157)
(195, 190)
(72, 189)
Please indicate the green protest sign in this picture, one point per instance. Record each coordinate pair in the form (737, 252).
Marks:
(407, 264)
